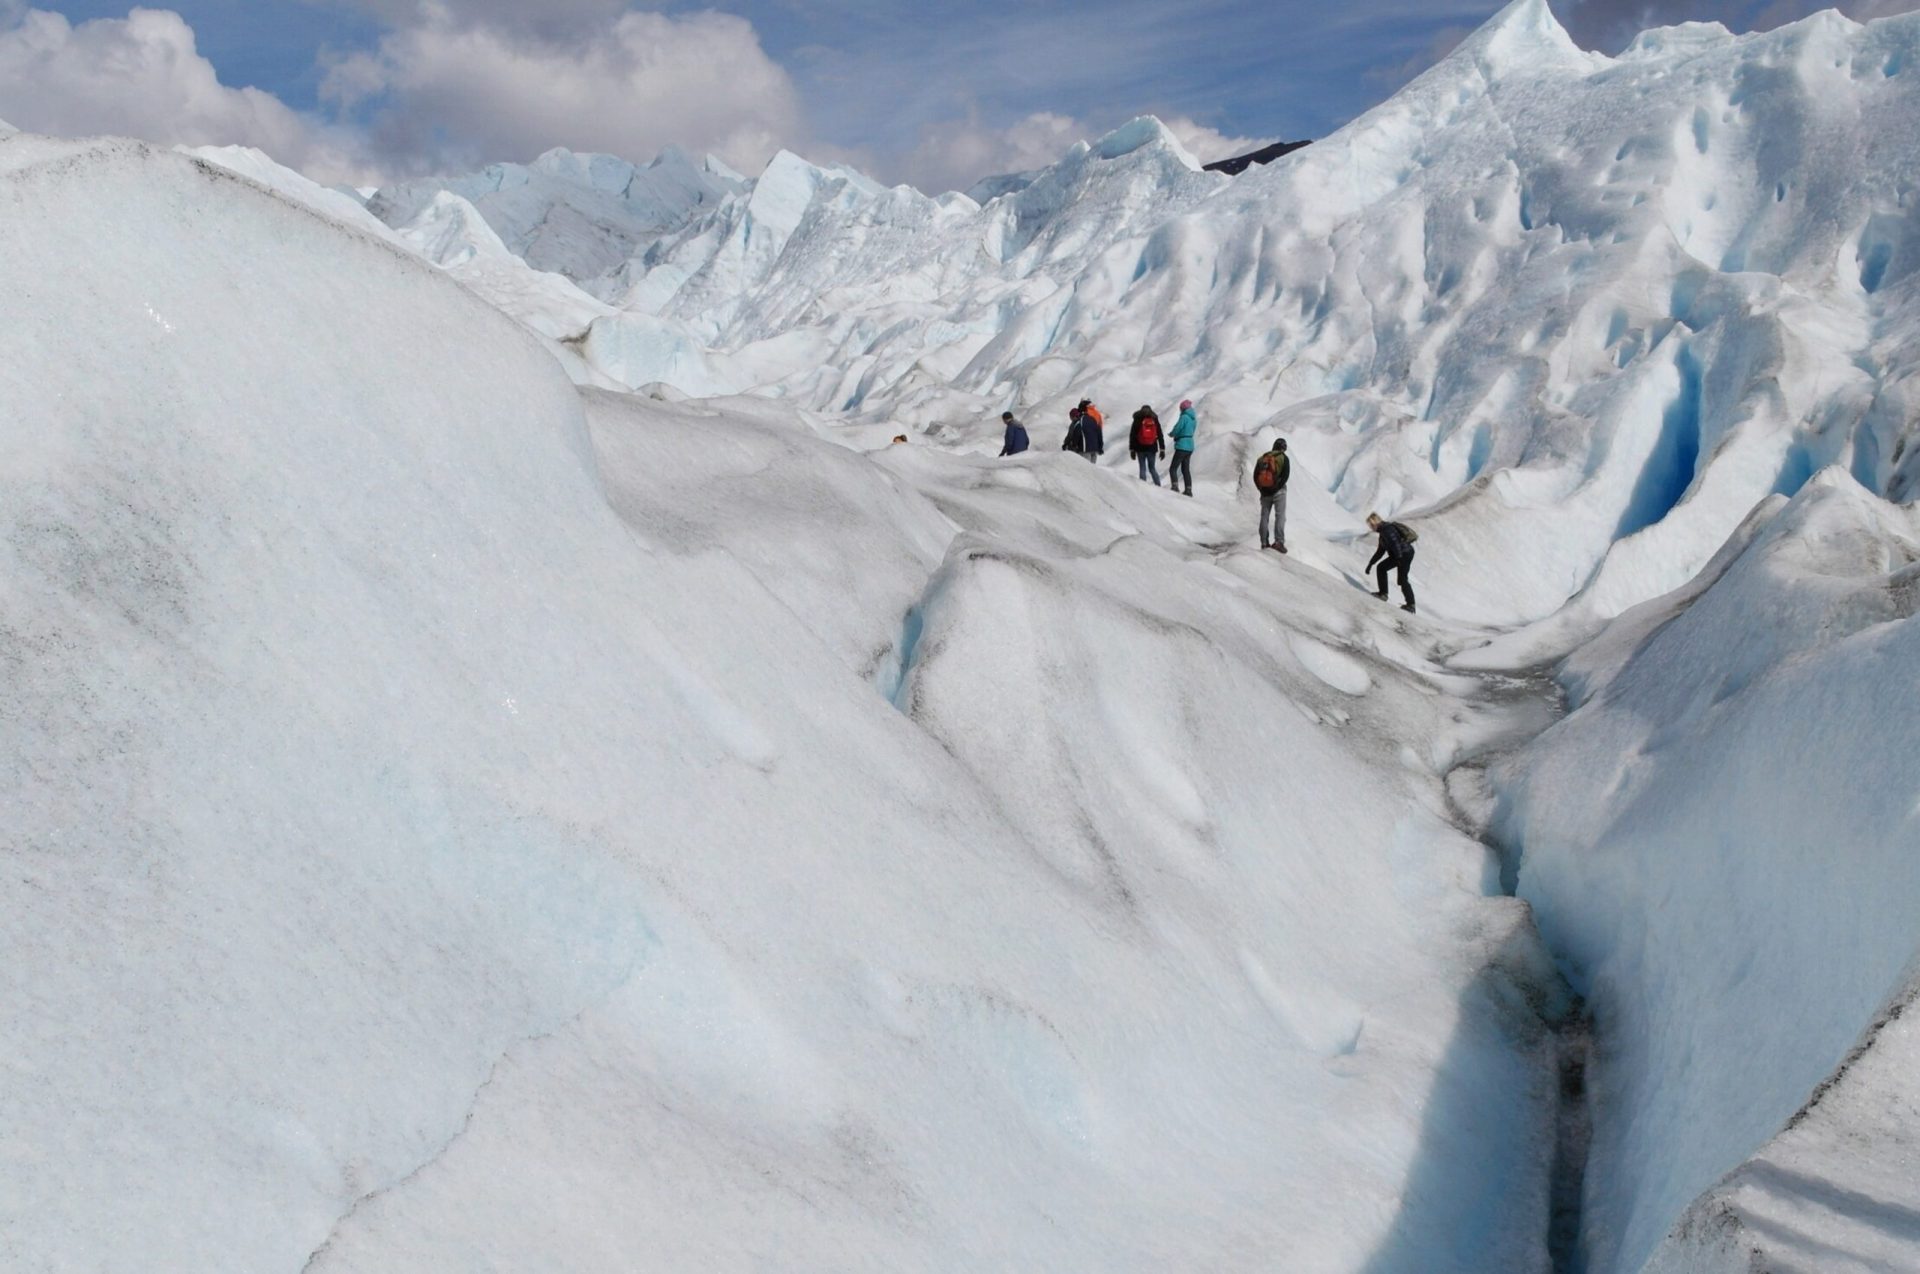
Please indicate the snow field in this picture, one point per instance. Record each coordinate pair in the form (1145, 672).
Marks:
(458, 820)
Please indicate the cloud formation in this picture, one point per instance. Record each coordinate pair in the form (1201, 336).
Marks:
(142, 76)
(454, 87)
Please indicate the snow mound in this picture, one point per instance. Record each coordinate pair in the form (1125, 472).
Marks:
(444, 808)
(1721, 840)
(256, 166)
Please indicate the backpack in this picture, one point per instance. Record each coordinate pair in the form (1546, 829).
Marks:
(1266, 474)
(1149, 431)
(1408, 531)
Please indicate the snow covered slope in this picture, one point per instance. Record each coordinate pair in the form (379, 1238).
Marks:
(454, 822)
(1723, 842)
(1648, 290)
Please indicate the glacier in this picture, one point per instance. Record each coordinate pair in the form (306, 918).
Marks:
(512, 766)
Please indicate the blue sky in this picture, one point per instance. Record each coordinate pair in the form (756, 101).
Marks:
(938, 94)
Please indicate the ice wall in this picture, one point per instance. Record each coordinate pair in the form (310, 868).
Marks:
(1580, 313)
(1722, 843)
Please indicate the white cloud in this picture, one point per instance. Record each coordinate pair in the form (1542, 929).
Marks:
(1210, 144)
(956, 153)
(141, 76)
(448, 88)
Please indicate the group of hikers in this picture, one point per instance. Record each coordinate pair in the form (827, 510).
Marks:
(1147, 445)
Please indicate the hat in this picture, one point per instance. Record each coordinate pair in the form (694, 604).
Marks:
(1186, 403)
(1086, 402)
(1279, 444)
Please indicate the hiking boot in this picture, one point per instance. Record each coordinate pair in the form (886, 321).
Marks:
(1382, 595)
(1281, 547)
(1408, 608)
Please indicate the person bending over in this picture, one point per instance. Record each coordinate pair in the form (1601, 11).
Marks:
(1395, 552)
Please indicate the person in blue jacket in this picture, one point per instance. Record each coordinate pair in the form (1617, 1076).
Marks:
(1016, 435)
(1183, 431)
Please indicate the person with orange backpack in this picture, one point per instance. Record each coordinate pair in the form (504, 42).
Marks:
(1270, 474)
(1093, 429)
(1147, 444)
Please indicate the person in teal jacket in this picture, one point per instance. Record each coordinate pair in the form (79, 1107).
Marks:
(1183, 431)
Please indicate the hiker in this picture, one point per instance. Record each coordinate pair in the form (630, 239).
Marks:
(1183, 431)
(1093, 430)
(1395, 551)
(1270, 474)
(1016, 435)
(1076, 441)
(1146, 444)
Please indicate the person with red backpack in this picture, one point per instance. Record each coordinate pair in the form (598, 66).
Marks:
(1270, 474)
(1147, 443)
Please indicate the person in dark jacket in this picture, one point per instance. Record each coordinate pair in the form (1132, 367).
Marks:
(1270, 474)
(1395, 552)
(1076, 440)
(1147, 443)
(1016, 435)
(1093, 433)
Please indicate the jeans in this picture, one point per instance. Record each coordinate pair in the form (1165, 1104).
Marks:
(1273, 504)
(1149, 465)
(1401, 564)
(1182, 463)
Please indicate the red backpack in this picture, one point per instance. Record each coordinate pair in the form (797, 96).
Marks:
(1149, 431)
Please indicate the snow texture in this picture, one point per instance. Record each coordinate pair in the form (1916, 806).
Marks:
(1736, 935)
(458, 820)
(462, 815)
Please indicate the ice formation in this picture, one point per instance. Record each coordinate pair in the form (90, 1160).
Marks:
(467, 814)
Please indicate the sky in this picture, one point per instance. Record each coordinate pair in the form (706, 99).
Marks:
(939, 95)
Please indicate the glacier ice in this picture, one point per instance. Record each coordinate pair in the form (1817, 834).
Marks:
(454, 814)
(463, 816)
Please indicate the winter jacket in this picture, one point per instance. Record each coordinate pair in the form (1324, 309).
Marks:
(1091, 434)
(1076, 440)
(1134, 445)
(1394, 545)
(1183, 431)
(1016, 439)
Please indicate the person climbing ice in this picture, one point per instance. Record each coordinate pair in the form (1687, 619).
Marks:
(1270, 474)
(1016, 440)
(1146, 445)
(1395, 552)
(1183, 431)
